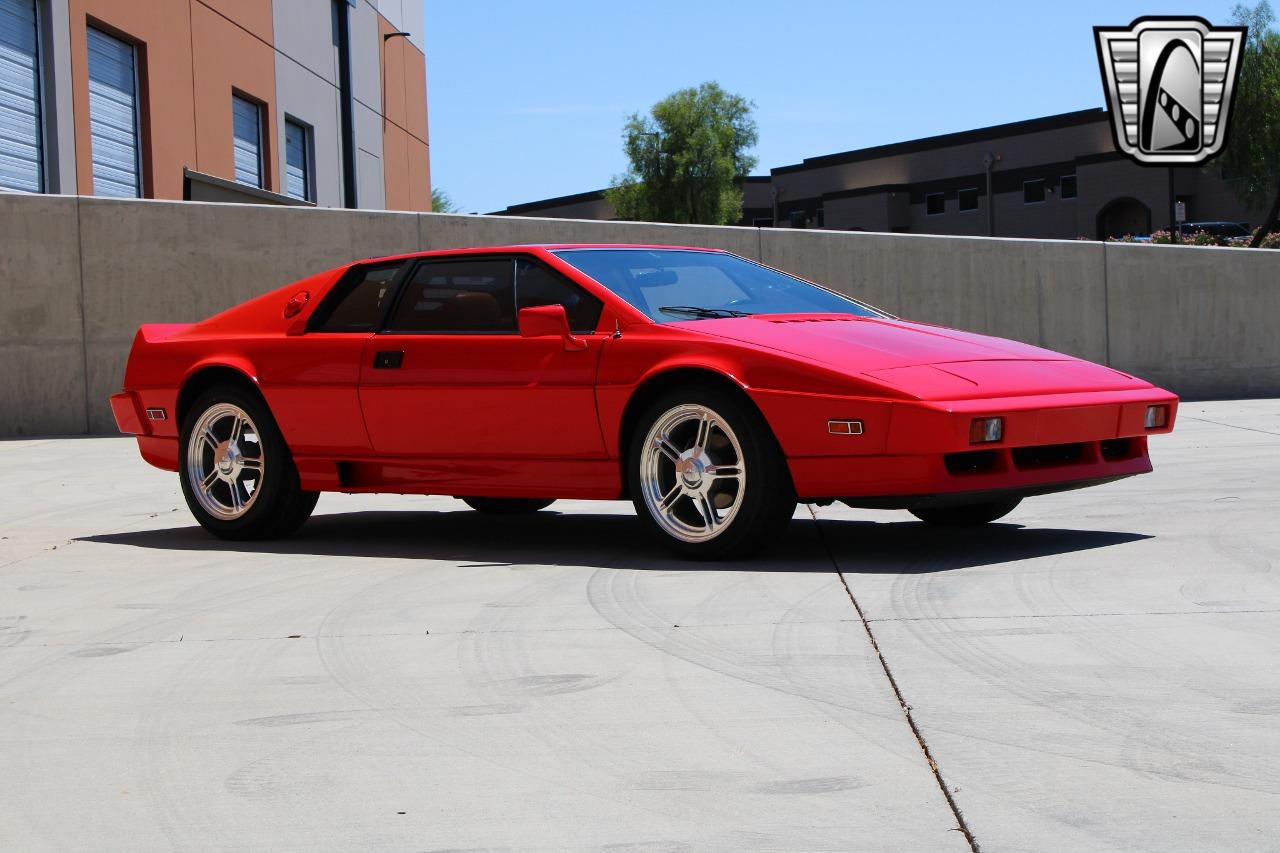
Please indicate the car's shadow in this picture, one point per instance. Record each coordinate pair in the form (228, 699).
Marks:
(616, 541)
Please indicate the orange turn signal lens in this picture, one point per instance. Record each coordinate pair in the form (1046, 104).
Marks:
(986, 430)
(844, 427)
(1157, 416)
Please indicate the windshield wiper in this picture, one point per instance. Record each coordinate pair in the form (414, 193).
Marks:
(702, 313)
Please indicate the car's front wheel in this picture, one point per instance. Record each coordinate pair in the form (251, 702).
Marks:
(237, 473)
(706, 475)
(967, 515)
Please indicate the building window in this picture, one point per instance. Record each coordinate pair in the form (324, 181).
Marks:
(298, 182)
(821, 218)
(1033, 191)
(21, 154)
(935, 204)
(1068, 188)
(968, 199)
(246, 133)
(113, 116)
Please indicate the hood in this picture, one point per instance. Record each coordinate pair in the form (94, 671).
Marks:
(930, 362)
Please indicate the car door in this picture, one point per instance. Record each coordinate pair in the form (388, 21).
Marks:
(450, 377)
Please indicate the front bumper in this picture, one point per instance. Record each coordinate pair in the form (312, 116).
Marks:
(912, 452)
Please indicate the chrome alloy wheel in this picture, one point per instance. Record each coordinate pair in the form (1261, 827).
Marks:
(225, 461)
(692, 473)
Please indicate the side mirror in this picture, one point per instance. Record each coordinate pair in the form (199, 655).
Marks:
(548, 321)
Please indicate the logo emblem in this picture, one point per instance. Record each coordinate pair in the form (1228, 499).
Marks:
(1169, 84)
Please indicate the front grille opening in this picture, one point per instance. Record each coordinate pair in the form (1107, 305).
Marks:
(970, 461)
(1047, 455)
(1114, 449)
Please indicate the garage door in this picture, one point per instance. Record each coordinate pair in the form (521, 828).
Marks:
(20, 137)
(113, 116)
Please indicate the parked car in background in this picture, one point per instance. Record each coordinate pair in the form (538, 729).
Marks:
(1226, 230)
(713, 391)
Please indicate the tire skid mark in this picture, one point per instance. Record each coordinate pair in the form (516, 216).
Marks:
(496, 656)
(643, 624)
(402, 706)
(1135, 728)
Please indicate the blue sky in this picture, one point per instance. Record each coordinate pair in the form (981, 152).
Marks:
(527, 99)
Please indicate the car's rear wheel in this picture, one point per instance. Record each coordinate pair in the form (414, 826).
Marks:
(507, 506)
(967, 515)
(707, 477)
(236, 471)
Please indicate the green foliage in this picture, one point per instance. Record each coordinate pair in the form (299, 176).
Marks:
(687, 159)
(1251, 161)
(441, 202)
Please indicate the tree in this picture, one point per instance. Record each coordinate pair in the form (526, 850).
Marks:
(1251, 159)
(688, 158)
(441, 202)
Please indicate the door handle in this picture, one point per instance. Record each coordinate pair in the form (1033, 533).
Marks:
(388, 359)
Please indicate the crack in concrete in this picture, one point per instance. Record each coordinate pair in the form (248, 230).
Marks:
(1228, 426)
(961, 824)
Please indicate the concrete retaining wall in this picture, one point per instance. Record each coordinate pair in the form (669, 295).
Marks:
(79, 275)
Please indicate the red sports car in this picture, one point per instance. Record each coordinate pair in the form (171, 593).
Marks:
(713, 391)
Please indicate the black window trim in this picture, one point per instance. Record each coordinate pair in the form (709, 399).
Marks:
(342, 290)
(513, 258)
(942, 196)
(408, 267)
(977, 200)
(417, 264)
(537, 261)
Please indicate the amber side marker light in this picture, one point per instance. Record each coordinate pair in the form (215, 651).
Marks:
(844, 427)
(986, 430)
(1157, 416)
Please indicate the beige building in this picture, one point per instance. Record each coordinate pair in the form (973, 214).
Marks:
(1053, 177)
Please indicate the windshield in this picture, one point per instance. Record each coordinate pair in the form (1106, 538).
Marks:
(677, 284)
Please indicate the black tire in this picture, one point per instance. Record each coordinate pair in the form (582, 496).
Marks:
(507, 506)
(280, 506)
(766, 497)
(967, 515)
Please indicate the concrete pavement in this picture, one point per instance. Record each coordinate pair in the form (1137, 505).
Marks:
(1101, 671)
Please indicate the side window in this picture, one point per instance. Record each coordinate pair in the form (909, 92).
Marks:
(362, 301)
(462, 296)
(536, 285)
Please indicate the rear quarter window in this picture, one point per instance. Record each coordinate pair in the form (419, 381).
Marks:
(359, 301)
